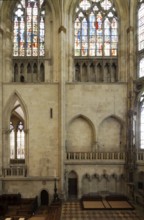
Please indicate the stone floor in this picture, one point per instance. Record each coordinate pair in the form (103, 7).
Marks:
(73, 211)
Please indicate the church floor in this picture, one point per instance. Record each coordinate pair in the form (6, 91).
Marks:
(73, 211)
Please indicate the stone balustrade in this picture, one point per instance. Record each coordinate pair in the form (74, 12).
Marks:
(20, 171)
(95, 156)
(121, 156)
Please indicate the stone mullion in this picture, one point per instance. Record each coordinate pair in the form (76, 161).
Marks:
(19, 71)
(25, 71)
(80, 72)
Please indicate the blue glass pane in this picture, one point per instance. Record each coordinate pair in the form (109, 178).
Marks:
(100, 27)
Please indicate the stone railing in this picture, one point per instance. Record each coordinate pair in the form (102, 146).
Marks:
(95, 156)
(20, 171)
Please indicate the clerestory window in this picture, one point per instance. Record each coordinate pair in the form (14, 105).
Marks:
(29, 28)
(96, 29)
(29, 41)
(140, 38)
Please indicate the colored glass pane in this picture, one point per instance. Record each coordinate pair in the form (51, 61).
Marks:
(28, 32)
(101, 30)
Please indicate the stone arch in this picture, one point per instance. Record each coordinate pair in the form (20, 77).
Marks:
(104, 182)
(111, 134)
(15, 102)
(10, 106)
(80, 125)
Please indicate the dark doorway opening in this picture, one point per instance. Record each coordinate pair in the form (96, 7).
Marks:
(44, 198)
(72, 185)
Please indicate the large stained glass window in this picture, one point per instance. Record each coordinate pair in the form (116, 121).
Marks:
(29, 27)
(141, 25)
(95, 29)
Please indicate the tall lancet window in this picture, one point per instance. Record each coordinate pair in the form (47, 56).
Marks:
(17, 141)
(29, 28)
(142, 121)
(96, 29)
(17, 135)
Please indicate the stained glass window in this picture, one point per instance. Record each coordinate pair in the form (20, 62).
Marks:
(29, 26)
(141, 26)
(95, 29)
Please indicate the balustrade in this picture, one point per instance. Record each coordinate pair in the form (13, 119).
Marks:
(95, 155)
(15, 171)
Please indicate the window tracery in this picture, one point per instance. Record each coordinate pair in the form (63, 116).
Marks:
(95, 29)
(17, 141)
(29, 41)
(29, 28)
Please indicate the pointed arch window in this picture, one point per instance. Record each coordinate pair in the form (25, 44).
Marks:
(29, 28)
(95, 29)
(17, 141)
(142, 121)
(17, 137)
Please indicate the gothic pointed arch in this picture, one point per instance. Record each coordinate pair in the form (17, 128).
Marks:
(14, 100)
(111, 126)
(80, 134)
(16, 123)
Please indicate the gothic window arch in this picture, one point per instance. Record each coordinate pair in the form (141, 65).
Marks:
(28, 28)
(28, 39)
(96, 41)
(95, 29)
(17, 135)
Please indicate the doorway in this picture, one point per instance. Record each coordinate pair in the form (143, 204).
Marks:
(44, 198)
(72, 185)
